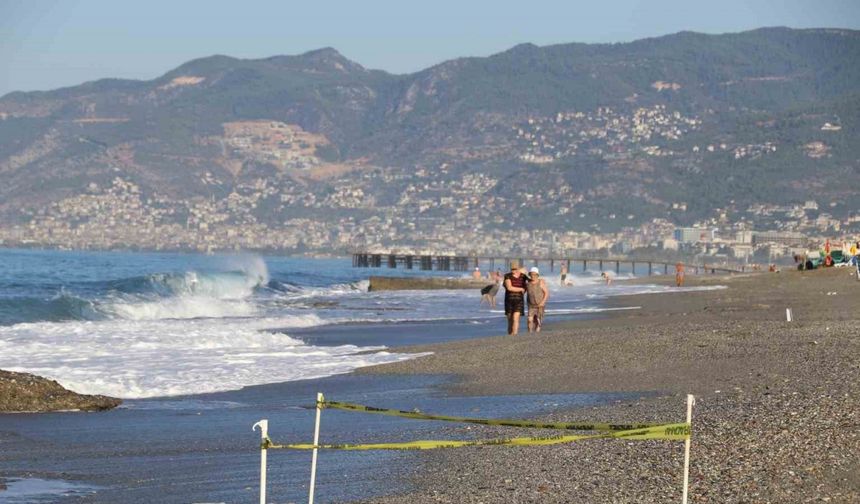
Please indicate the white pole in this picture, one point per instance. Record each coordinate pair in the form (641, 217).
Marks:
(690, 402)
(788, 314)
(320, 400)
(264, 434)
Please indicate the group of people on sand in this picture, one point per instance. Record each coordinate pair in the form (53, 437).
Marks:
(525, 289)
(522, 289)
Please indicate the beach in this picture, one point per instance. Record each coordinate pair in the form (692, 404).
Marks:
(776, 416)
(200, 348)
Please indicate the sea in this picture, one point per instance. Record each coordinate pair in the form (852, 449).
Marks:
(201, 347)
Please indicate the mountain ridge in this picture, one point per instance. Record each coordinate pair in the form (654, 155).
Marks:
(687, 119)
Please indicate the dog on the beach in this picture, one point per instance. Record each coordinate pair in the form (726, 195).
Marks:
(488, 295)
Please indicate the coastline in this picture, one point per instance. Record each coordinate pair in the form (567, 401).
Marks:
(776, 416)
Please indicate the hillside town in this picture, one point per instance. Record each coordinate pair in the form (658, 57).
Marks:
(453, 217)
(269, 187)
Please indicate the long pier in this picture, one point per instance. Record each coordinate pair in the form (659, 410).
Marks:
(434, 262)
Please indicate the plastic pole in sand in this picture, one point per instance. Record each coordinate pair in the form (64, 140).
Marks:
(690, 402)
(320, 400)
(264, 434)
(788, 314)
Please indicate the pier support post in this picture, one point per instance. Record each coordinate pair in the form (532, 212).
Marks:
(617, 267)
(665, 268)
(649, 268)
(600, 264)
(584, 265)
(633, 266)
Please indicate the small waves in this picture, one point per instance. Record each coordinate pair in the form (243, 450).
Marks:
(293, 290)
(61, 307)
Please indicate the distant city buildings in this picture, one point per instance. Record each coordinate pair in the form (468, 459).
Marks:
(440, 207)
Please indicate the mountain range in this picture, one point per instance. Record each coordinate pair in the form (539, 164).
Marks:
(676, 127)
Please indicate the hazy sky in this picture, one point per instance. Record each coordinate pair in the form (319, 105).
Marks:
(48, 44)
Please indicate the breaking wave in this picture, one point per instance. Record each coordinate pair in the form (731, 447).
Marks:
(185, 295)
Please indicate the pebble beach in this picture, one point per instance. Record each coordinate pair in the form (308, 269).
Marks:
(776, 420)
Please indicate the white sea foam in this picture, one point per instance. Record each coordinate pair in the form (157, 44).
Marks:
(174, 357)
(194, 294)
(178, 307)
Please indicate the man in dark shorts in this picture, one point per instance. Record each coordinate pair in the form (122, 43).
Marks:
(515, 288)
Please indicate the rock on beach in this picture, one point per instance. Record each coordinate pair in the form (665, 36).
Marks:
(28, 393)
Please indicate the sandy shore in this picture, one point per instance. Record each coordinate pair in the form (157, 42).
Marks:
(777, 416)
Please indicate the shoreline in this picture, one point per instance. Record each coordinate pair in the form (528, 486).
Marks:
(777, 402)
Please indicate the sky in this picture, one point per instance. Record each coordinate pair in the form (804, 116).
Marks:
(48, 44)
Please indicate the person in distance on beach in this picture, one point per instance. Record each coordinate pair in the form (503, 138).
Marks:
(679, 274)
(538, 294)
(477, 273)
(488, 294)
(515, 288)
(563, 275)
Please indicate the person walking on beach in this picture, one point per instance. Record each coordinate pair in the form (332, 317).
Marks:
(563, 275)
(488, 294)
(538, 294)
(515, 288)
(476, 274)
(679, 274)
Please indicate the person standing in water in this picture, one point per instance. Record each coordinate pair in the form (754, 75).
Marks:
(563, 275)
(679, 274)
(538, 294)
(515, 288)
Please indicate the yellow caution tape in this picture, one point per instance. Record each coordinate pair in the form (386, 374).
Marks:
(671, 432)
(591, 426)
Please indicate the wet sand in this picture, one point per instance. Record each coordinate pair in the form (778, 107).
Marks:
(777, 416)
